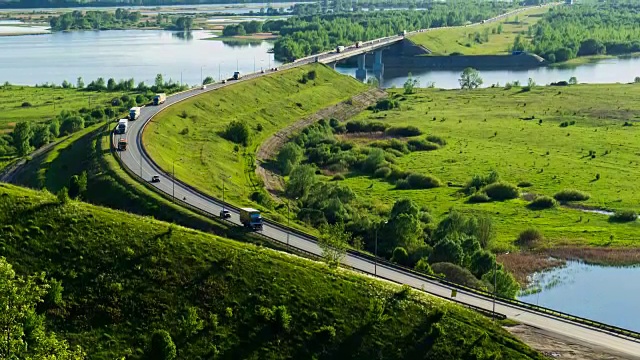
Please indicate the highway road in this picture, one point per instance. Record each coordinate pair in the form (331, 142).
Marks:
(138, 162)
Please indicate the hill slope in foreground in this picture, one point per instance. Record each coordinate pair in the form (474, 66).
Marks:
(125, 276)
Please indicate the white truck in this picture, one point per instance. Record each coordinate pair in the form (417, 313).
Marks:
(340, 49)
(251, 218)
(159, 99)
(122, 126)
(134, 112)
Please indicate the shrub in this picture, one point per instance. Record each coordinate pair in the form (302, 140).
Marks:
(479, 197)
(338, 177)
(402, 184)
(374, 160)
(400, 256)
(524, 184)
(458, 275)
(385, 104)
(382, 172)
(437, 139)
(423, 266)
(361, 126)
(543, 202)
(238, 132)
(26, 104)
(501, 191)
(421, 145)
(529, 238)
(419, 181)
(571, 195)
(404, 131)
(624, 216)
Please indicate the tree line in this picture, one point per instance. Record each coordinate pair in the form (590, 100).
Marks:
(566, 32)
(120, 19)
(22, 4)
(305, 35)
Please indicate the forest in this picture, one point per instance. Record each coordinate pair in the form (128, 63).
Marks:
(567, 32)
(306, 35)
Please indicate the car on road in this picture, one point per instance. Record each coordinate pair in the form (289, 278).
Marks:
(224, 81)
(155, 178)
(225, 214)
(203, 87)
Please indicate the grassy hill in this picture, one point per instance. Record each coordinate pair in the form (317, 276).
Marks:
(470, 41)
(553, 138)
(125, 276)
(190, 133)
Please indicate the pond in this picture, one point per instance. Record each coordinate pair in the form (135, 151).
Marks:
(603, 293)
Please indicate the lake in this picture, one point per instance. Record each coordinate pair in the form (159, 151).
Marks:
(123, 54)
(602, 293)
(622, 70)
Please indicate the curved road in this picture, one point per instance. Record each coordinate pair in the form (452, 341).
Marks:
(138, 162)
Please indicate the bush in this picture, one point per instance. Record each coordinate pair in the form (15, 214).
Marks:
(543, 202)
(238, 132)
(501, 191)
(400, 256)
(624, 216)
(423, 266)
(437, 140)
(421, 145)
(361, 126)
(338, 177)
(458, 275)
(374, 160)
(385, 104)
(404, 131)
(479, 197)
(26, 104)
(524, 184)
(419, 181)
(571, 195)
(141, 99)
(382, 172)
(529, 238)
(402, 184)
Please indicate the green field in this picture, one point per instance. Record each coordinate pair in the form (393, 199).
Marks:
(125, 276)
(486, 130)
(462, 39)
(189, 133)
(46, 103)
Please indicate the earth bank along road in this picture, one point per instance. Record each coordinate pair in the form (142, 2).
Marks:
(140, 163)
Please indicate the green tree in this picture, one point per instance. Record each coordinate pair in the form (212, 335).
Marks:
(41, 135)
(208, 80)
(54, 128)
(78, 185)
(374, 160)
(159, 82)
(22, 134)
(403, 230)
(400, 256)
(72, 124)
(23, 334)
(470, 79)
(423, 266)
(447, 250)
(289, 157)
(111, 84)
(506, 284)
(484, 231)
(482, 262)
(410, 85)
(161, 346)
(573, 80)
(238, 132)
(80, 83)
(334, 241)
(301, 179)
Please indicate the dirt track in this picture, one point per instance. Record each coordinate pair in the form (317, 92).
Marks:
(270, 147)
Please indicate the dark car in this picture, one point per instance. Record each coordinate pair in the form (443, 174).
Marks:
(155, 178)
(225, 214)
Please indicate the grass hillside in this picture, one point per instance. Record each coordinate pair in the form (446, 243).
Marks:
(582, 137)
(190, 133)
(484, 39)
(125, 276)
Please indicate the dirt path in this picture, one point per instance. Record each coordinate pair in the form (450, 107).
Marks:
(270, 147)
(556, 346)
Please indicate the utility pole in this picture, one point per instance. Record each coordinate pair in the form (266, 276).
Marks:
(375, 259)
(237, 66)
(495, 285)
(180, 78)
(201, 81)
(254, 64)
(224, 177)
(173, 181)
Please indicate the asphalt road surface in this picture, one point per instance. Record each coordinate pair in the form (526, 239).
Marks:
(140, 164)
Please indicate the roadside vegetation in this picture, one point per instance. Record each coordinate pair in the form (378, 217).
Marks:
(213, 138)
(36, 116)
(584, 29)
(119, 295)
(303, 36)
(118, 20)
(484, 39)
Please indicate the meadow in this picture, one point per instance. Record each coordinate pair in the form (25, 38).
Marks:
(190, 135)
(580, 137)
(462, 40)
(121, 281)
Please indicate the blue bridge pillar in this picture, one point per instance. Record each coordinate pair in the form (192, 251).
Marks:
(378, 66)
(361, 73)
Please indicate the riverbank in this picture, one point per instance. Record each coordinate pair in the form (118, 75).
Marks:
(253, 38)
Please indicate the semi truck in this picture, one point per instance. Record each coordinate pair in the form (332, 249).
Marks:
(159, 99)
(122, 126)
(358, 44)
(340, 49)
(134, 113)
(251, 218)
(403, 33)
(122, 144)
(236, 75)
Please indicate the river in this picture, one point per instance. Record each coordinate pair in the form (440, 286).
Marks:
(602, 293)
(123, 54)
